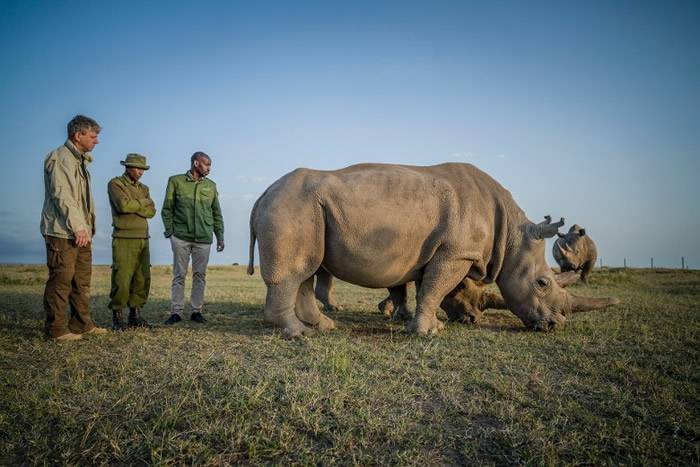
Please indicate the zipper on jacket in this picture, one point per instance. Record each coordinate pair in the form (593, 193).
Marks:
(196, 184)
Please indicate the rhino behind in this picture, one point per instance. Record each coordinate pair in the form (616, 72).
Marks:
(575, 251)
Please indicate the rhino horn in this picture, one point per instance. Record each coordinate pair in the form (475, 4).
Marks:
(581, 304)
(565, 250)
(546, 229)
(565, 279)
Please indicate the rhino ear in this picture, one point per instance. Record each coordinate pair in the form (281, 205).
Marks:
(582, 232)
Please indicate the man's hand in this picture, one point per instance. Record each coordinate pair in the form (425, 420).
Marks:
(82, 238)
(220, 245)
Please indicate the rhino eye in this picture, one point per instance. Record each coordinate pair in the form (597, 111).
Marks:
(542, 283)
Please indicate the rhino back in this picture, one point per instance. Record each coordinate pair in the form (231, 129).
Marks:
(489, 216)
(383, 222)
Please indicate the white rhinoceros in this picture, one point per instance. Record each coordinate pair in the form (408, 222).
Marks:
(575, 251)
(382, 226)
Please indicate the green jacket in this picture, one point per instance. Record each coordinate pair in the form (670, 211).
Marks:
(131, 206)
(68, 203)
(191, 209)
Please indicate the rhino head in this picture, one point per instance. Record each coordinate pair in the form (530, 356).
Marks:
(567, 249)
(530, 287)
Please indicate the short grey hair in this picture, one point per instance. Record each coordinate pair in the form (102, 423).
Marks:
(82, 124)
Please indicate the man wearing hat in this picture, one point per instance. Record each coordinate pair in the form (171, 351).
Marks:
(131, 260)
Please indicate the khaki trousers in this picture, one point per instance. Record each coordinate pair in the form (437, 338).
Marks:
(68, 286)
(131, 273)
(182, 251)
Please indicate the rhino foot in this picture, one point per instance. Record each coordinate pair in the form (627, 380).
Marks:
(402, 313)
(332, 307)
(422, 324)
(465, 316)
(326, 324)
(386, 306)
(297, 331)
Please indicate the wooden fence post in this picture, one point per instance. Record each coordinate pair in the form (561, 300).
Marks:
(652, 263)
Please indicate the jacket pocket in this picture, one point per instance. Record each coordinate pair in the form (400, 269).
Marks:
(206, 193)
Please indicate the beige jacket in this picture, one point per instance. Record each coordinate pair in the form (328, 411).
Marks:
(68, 203)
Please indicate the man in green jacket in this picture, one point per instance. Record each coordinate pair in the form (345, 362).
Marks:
(68, 224)
(132, 206)
(191, 214)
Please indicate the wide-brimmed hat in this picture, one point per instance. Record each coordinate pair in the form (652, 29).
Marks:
(135, 160)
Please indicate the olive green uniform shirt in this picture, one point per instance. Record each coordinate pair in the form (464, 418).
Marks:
(191, 209)
(131, 207)
(68, 203)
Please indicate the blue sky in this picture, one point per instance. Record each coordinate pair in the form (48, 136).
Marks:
(586, 110)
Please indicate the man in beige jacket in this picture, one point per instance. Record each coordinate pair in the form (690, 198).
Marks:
(68, 224)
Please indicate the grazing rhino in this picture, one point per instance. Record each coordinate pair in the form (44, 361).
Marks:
(465, 303)
(575, 251)
(382, 226)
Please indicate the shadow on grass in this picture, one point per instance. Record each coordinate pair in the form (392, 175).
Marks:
(22, 315)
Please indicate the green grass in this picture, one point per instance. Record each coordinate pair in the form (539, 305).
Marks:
(619, 386)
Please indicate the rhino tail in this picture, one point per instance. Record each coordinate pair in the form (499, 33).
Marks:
(251, 248)
(251, 252)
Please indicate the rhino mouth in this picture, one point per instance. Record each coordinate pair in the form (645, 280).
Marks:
(548, 325)
(551, 320)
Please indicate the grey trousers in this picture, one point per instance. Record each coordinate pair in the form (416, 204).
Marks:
(182, 250)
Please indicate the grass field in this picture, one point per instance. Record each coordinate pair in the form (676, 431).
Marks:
(620, 386)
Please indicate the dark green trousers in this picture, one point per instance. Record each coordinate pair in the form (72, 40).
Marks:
(131, 273)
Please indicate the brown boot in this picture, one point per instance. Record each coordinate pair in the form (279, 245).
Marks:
(135, 320)
(118, 321)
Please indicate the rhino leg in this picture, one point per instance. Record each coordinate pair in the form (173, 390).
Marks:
(441, 276)
(586, 270)
(324, 289)
(395, 306)
(306, 309)
(460, 310)
(279, 309)
(386, 306)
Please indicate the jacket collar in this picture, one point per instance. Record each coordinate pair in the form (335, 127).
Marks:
(87, 156)
(125, 178)
(190, 178)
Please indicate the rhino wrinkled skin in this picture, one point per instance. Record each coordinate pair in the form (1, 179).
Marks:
(383, 225)
(575, 251)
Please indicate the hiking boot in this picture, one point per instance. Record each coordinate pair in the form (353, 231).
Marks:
(173, 318)
(118, 321)
(69, 337)
(135, 320)
(198, 318)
